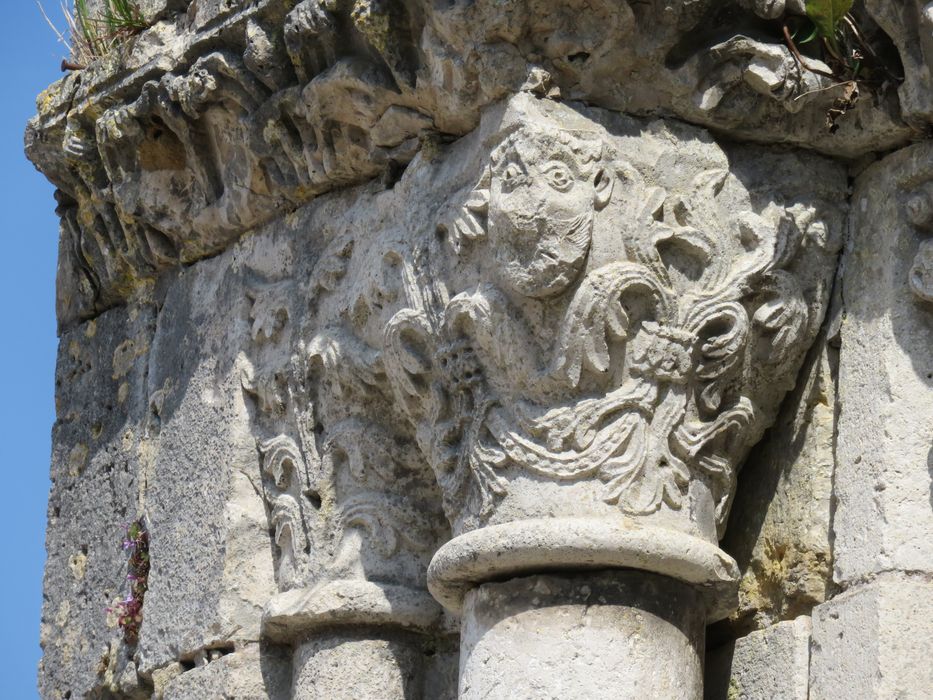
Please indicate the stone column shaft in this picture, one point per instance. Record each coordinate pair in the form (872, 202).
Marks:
(596, 635)
(357, 665)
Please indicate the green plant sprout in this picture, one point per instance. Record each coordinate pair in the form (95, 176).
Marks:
(827, 17)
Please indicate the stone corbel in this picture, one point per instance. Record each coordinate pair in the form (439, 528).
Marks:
(910, 25)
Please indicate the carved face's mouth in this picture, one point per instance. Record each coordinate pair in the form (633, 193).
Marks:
(556, 259)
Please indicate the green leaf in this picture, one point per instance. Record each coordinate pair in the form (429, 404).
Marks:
(810, 37)
(826, 15)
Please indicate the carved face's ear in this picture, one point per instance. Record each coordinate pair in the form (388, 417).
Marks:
(630, 180)
(602, 186)
(470, 222)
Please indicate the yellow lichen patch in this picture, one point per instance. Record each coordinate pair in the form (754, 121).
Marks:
(90, 330)
(77, 459)
(63, 613)
(113, 616)
(161, 151)
(373, 25)
(782, 582)
(74, 349)
(125, 355)
(123, 392)
(161, 677)
(78, 565)
(45, 102)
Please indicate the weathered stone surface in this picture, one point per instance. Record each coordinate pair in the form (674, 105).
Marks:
(248, 672)
(377, 311)
(910, 25)
(274, 365)
(780, 526)
(151, 10)
(874, 641)
(329, 667)
(773, 662)
(212, 570)
(884, 474)
(518, 636)
(100, 452)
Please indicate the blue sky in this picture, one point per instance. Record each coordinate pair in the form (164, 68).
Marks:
(30, 56)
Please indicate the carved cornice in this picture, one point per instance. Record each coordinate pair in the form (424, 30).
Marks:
(231, 114)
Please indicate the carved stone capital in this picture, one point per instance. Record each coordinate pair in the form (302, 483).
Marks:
(622, 310)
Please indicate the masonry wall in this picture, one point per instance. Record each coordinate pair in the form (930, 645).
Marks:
(493, 350)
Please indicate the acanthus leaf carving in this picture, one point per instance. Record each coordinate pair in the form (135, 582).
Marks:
(364, 506)
(639, 383)
(286, 476)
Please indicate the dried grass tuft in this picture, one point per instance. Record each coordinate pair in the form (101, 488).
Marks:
(97, 35)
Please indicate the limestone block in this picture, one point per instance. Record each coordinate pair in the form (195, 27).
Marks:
(212, 569)
(884, 518)
(249, 672)
(769, 663)
(100, 451)
(780, 526)
(874, 642)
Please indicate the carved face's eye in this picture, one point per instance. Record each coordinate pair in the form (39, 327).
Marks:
(558, 176)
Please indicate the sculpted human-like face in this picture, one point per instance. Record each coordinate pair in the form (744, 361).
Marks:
(542, 201)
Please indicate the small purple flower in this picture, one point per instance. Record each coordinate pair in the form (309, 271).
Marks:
(129, 610)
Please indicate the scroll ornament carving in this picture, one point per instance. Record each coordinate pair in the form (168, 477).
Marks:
(284, 469)
(920, 214)
(349, 506)
(637, 378)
